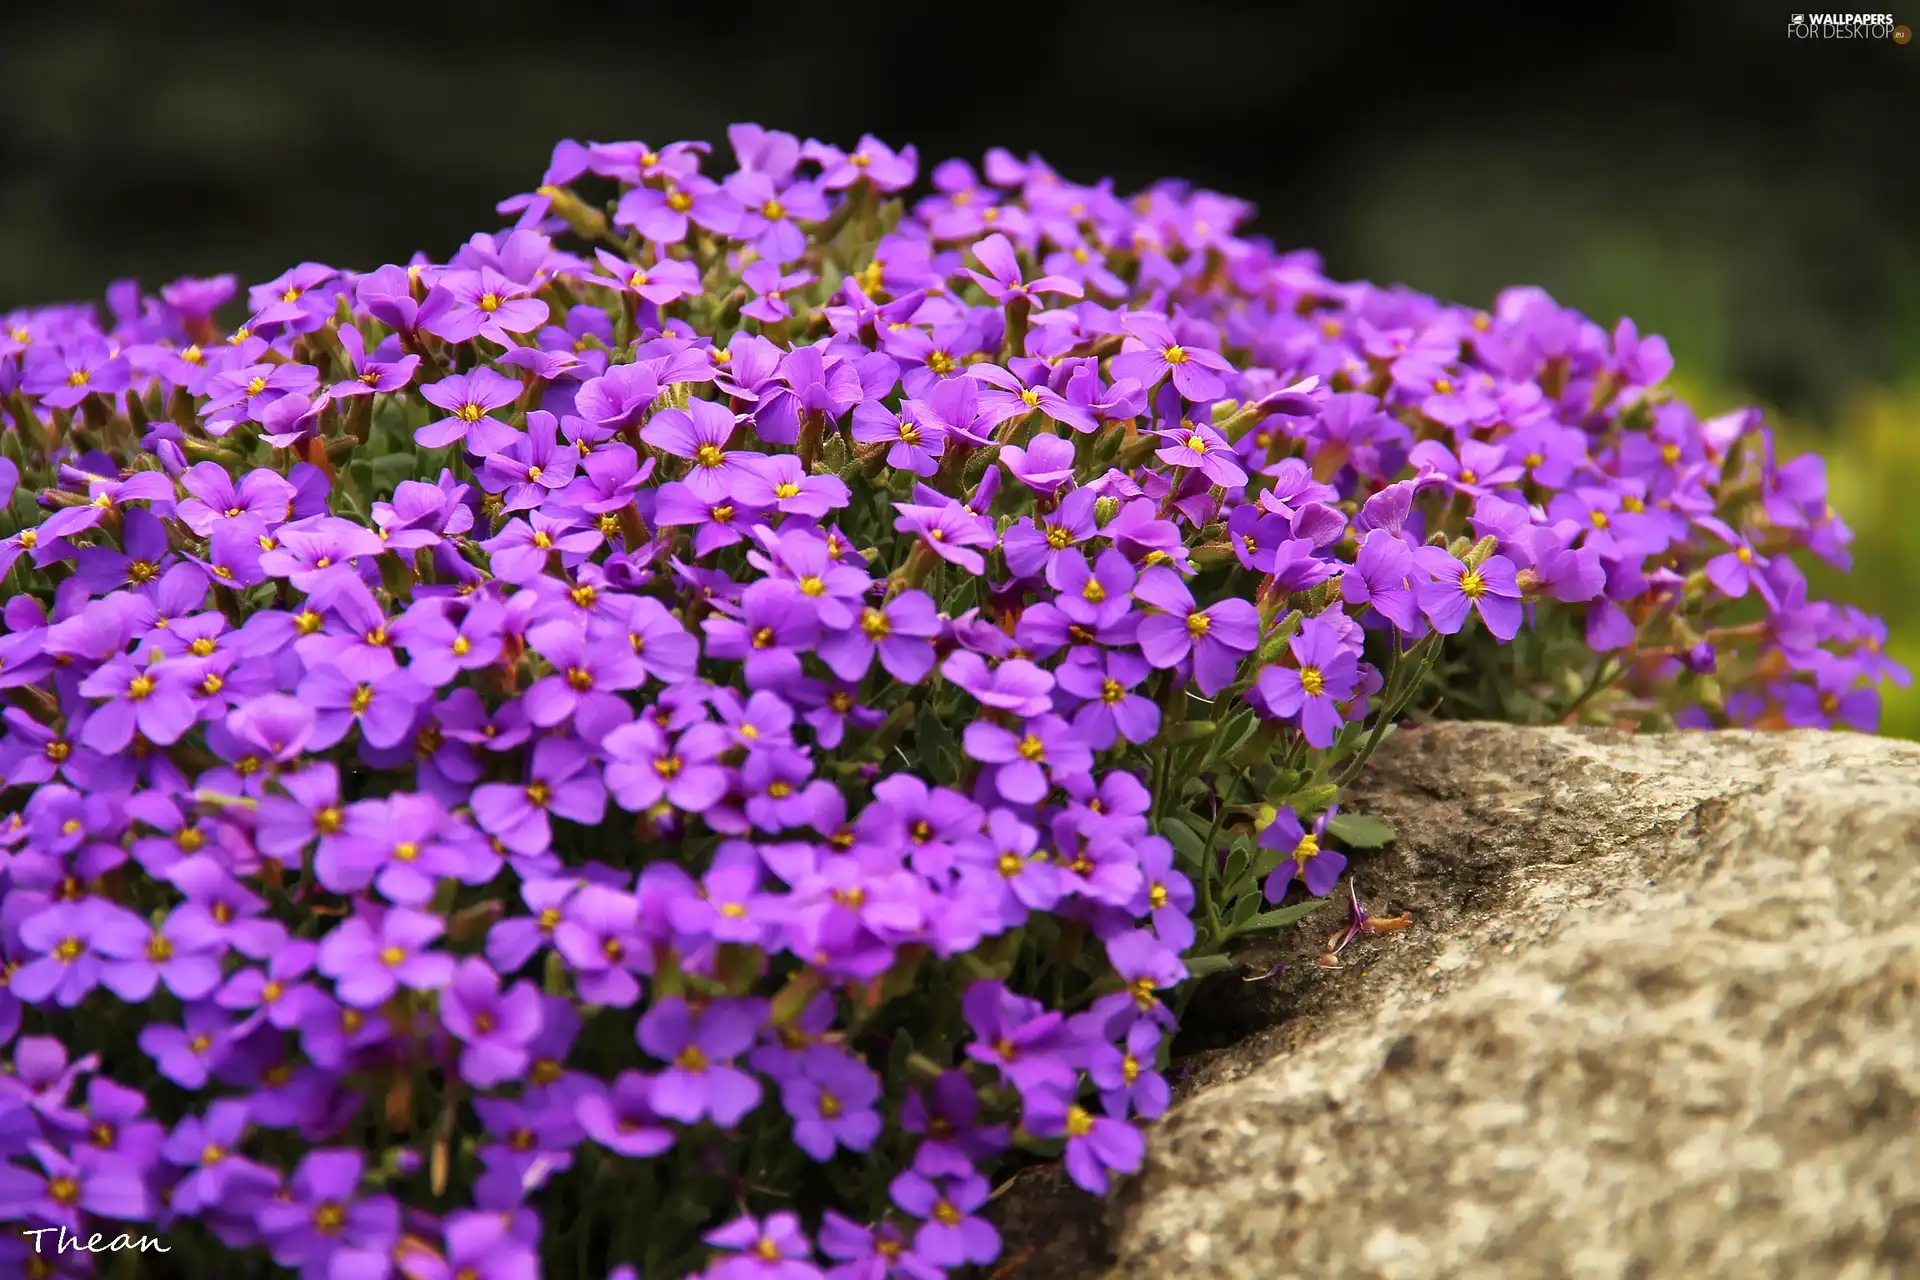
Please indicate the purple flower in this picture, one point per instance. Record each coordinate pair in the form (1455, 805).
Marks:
(1048, 750)
(1385, 575)
(1027, 1044)
(368, 963)
(621, 1117)
(665, 281)
(901, 632)
(949, 1235)
(647, 765)
(587, 677)
(1097, 1145)
(1151, 352)
(62, 938)
(774, 1250)
(917, 444)
(562, 779)
(142, 956)
(1204, 449)
(326, 1221)
(775, 622)
(1489, 590)
(949, 530)
(832, 1104)
(1302, 858)
(153, 701)
(1324, 677)
(700, 1046)
(1017, 686)
(469, 400)
(479, 1246)
(480, 304)
(495, 1027)
(215, 1174)
(1003, 282)
(948, 1115)
(1111, 710)
(106, 1187)
(700, 433)
(1216, 636)
(772, 285)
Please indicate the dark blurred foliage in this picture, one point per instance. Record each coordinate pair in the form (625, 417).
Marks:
(1749, 195)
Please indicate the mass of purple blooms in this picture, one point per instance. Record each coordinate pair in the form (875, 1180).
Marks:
(698, 733)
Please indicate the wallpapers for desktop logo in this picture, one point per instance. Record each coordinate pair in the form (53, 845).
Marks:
(1846, 26)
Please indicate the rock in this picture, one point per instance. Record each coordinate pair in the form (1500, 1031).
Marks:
(1659, 1015)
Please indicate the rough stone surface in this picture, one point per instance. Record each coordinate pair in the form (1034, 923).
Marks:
(1659, 1016)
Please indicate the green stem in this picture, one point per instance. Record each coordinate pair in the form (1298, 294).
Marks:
(1395, 702)
(1604, 674)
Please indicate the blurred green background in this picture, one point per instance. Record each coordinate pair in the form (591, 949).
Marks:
(1752, 197)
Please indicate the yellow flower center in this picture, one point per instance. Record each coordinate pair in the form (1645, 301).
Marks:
(1312, 682)
(362, 699)
(489, 302)
(1472, 585)
(579, 679)
(1198, 624)
(709, 455)
(1031, 748)
(773, 211)
(69, 950)
(1174, 355)
(393, 956)
(1079, 1122)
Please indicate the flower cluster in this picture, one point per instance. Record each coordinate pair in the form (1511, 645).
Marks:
(697, 748)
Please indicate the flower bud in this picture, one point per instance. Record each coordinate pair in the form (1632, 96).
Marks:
(1276, 640)
(1105, 508)
(1191, 731)
(834, 455)
(1477, 556)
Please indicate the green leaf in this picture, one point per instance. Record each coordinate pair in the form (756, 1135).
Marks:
(1312, 802)
(1360, 831)
(1244, 909)
(1201, 966)
(1236, 867)
(1284, 916)
(1236, 733)
(897, 1055)
(1186, 842)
